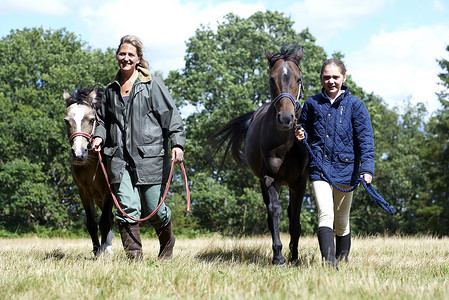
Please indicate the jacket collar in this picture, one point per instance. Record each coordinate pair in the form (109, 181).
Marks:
(343, 95)
(144, 76)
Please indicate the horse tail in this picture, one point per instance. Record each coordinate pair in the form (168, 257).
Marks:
(233, 134)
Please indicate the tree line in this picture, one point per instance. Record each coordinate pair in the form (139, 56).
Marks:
(225, 75)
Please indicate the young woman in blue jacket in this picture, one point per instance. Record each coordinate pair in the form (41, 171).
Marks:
(340, 135)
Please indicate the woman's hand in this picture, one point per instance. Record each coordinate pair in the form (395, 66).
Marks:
(299, 133)
(177, 154)
(367, 177)
(96, 144)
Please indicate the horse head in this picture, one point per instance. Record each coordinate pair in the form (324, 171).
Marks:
(286, 84)
(80, 120)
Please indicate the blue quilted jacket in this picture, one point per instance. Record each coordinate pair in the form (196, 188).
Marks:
(340, 135)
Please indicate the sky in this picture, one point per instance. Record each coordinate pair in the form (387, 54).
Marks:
(390, 47)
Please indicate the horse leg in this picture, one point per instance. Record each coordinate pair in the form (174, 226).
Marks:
(105, 224)
(91, 223)
(294, 211)
(270, 192)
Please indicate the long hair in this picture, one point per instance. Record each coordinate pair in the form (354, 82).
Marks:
(136, 42)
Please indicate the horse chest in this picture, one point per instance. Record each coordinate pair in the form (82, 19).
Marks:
(275, 158)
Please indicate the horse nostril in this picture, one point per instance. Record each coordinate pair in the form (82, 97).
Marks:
(79, 154)
(285, 120)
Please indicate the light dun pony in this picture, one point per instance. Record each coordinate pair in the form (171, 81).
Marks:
(80, 119)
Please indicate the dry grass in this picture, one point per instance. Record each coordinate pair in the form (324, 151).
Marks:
(223, 268)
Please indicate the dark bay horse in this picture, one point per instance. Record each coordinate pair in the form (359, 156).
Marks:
(80, 119)
(270, 147)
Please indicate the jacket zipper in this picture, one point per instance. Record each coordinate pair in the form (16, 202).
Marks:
(341, 112)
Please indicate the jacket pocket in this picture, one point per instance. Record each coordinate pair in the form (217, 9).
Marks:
(346, 157)
(110, 151)
(151, 150)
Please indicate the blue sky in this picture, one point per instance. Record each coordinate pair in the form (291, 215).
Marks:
(390, 46)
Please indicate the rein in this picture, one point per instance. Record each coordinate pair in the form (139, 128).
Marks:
(117, 204)
(368, 187)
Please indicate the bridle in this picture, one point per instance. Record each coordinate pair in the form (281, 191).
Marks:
(86, 135)
(295, 102)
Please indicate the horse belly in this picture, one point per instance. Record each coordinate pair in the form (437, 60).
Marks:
(294, 166)
(252, 151)
(91, 184)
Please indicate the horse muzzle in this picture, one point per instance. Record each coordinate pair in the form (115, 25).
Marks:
(285, 121)
(80, 153)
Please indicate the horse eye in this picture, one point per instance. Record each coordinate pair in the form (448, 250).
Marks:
(66, 121)
(299, 80)
(92, 121)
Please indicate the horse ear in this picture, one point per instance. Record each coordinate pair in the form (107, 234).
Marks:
(299, 53)
(66, 97)
(268, 54)
(93, 96)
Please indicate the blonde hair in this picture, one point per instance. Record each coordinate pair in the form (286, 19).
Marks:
(136, 42)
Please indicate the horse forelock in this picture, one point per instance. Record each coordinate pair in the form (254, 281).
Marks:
(287, 53)
(82, 97)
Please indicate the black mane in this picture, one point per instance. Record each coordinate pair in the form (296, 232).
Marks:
(81, 97)
(287, 52)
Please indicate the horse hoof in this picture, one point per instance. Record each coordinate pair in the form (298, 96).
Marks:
(109, 250)
(293, 261)
(104, 249)
(279, 261)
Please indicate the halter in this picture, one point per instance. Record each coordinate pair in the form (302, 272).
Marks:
(295, 102)
(84, 134)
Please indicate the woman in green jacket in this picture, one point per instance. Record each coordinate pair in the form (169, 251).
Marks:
(137, 120)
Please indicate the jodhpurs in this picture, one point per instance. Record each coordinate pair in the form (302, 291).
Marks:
(333, 206)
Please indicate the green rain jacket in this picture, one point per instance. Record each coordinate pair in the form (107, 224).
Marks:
(136, 135)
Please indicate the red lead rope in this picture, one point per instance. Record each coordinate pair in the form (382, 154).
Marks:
(163, 197)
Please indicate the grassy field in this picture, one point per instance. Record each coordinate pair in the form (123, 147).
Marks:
(224, 268)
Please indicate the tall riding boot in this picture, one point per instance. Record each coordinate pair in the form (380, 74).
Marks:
(327, 247)
(342, 247)
(130, 234)
(166, 241)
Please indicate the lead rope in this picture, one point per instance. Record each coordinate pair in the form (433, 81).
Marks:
(368, 187)
(163, 197)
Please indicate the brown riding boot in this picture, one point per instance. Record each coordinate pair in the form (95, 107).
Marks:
(166, 241)
(130, 234)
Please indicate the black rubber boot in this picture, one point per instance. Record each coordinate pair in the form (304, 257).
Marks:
(342, 247)
(327, 246)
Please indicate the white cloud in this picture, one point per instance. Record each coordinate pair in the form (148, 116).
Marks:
(402, 64)
(326, 19)
(163, 26)
(43, 7)
(438, 4)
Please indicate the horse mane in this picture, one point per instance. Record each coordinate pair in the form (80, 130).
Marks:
(287, 52)
(81, 97)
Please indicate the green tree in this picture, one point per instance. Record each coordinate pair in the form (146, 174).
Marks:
(432, 208)
(36, 65)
